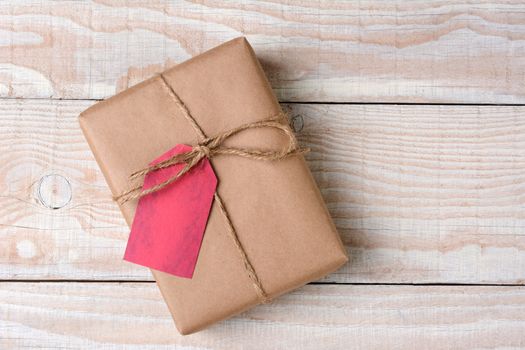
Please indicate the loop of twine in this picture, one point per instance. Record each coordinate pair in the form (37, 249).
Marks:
(210, 147)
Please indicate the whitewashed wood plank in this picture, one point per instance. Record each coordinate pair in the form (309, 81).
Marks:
(420, 194)
(133, 316)
(374, 51)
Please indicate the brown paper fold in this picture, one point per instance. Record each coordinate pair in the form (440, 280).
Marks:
(275, 207)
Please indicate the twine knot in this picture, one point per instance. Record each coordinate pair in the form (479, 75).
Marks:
(204, 150)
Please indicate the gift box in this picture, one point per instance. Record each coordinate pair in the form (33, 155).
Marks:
(278, 217)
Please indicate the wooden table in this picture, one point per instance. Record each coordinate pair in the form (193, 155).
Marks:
(415, 115)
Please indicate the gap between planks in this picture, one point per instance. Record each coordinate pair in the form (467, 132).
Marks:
(372, 103)
(317, 283)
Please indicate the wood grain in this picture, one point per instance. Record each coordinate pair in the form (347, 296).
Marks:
(372, 51)
(420, 194)
(133, 316)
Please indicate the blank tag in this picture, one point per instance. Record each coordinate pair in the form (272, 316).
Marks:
(169, 224)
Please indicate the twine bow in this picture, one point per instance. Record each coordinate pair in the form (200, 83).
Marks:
(210, 147)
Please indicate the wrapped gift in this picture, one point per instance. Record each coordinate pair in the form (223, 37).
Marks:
(266, 230)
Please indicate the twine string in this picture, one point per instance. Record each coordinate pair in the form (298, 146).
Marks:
(209, 147)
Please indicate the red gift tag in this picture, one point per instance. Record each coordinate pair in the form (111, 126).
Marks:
(169, 224)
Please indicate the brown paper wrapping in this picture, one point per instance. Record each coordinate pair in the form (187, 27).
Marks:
(275, 207)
